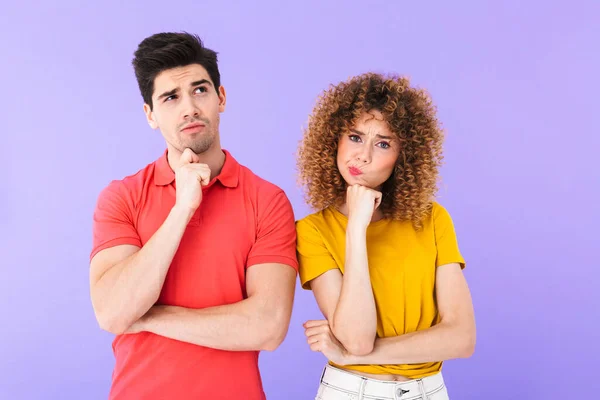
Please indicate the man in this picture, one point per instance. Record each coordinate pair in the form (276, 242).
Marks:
(193, 264)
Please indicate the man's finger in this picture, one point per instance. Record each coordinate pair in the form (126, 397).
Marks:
(189, 157)
(203, 173)
(205, 178)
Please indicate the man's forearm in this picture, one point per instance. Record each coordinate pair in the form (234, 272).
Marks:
(130, 288)
(355, 318)
(242, 326)
(438, 343)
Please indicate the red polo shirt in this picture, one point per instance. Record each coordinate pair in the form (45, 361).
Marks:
(243, 220)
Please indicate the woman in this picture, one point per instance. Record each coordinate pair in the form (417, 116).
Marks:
(381, 256)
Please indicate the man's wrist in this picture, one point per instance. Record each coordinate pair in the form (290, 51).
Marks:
(182, 213)
(148, 319)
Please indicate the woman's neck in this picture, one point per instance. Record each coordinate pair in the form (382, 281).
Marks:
(377, 214)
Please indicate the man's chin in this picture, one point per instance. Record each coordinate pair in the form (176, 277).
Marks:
(199, 148)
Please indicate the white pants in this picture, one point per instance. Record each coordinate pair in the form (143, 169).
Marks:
(337, 384)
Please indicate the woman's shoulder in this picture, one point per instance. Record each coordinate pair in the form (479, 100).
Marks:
(438, 211)
(439, 217)
(317, 221)
(313, 219)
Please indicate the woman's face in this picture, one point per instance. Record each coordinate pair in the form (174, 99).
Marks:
(367, 153)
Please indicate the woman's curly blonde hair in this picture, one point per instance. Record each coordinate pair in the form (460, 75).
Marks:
(409, 192)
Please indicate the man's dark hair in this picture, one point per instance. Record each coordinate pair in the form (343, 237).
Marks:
(167, 50)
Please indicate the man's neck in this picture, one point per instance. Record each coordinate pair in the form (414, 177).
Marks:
(213, 157)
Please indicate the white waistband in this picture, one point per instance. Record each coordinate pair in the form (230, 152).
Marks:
(350, 382)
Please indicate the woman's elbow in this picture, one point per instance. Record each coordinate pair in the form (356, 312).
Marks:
(356, 343)
(359, 347)
(467, 348)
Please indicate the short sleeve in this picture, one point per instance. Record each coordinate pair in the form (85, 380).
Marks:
(113, 220)
(445, 238)
(276, 234)
(313, 256)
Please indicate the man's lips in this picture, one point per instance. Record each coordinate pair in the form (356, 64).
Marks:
(194, 126)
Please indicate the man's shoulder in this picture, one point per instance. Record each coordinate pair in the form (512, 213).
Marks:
(128, 185)
(257, 183)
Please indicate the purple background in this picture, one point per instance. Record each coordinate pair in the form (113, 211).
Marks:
(517, 89)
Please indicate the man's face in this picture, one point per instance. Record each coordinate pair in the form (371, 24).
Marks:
(186, 108)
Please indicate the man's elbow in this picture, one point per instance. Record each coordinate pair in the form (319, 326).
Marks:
(272, 343)
(111, 323)
(275, 334)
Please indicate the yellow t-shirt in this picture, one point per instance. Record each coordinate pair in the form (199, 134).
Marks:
(402, 266)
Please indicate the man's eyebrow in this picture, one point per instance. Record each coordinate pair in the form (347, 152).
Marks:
(174, 91)
(168, 94)
(201, 82)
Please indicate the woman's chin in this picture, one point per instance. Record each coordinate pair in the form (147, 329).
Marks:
(357, 180)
